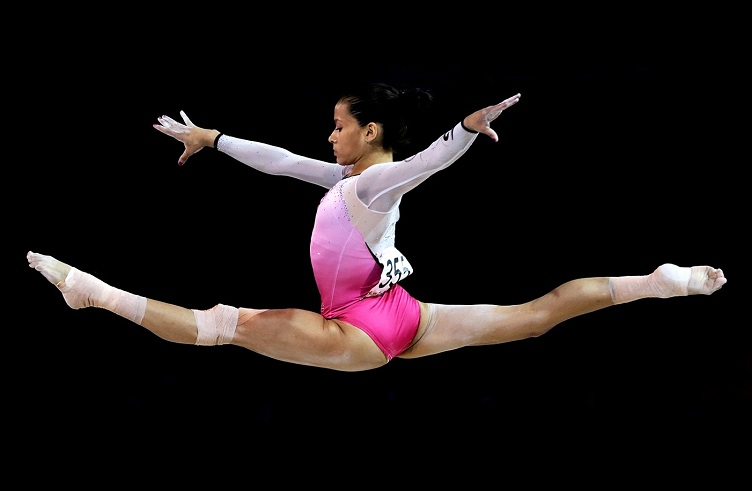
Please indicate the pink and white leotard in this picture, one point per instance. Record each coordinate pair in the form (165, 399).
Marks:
(355, 263)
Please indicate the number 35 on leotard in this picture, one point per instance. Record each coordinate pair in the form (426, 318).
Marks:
(394, 267)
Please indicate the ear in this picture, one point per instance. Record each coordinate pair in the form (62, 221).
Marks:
(372, 132)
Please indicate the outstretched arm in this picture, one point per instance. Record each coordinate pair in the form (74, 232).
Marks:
(384, 185)
(260, 156)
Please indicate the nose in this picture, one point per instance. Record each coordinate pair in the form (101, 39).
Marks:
(331, 138)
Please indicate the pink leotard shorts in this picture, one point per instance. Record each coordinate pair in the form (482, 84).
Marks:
(391, 319)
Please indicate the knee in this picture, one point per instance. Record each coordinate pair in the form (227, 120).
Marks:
(539, 322)
(216, 325)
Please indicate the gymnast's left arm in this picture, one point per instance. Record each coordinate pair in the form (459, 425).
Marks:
(381, 186)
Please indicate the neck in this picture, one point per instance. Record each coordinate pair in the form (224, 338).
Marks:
(372, 159)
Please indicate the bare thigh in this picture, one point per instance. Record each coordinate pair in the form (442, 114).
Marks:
(448, 327)
(307, 338)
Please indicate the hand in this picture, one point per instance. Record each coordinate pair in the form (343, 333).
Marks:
(193, 137)
(480, 120)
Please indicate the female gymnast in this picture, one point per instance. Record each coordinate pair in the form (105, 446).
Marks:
(367, 317)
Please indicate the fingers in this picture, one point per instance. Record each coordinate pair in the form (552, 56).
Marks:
(170, 126)
(168, 122)
(506, 103)
(185, 118)
(493, 112)
(511, 101)
(490, 133)
(161, 128)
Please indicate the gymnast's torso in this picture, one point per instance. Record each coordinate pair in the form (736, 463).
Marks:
(356, 264)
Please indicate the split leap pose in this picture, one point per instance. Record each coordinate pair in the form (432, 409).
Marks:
(367, 317)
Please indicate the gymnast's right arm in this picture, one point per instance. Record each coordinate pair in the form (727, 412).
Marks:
(260, 156)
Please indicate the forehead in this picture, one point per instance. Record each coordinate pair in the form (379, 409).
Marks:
(342, 112)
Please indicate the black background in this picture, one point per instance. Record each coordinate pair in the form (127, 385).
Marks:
(627, 150)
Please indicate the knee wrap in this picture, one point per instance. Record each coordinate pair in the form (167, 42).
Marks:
(216, 326)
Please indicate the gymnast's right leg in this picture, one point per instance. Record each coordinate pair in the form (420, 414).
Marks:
(294, 335)
(170, 322)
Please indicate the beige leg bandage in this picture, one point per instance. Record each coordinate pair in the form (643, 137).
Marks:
(84, 290)
(667, 281)
(216, 326)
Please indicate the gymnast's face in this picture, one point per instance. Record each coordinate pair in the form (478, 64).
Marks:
(349, 139)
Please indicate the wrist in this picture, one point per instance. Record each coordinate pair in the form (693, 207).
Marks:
(212, 138)
(466, 127)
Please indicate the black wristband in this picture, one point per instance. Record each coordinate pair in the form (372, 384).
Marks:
(216, 140)
(466, 128)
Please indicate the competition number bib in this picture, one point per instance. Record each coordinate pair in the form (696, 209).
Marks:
(394, 267)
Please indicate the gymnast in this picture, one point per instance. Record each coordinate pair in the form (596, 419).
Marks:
(367, 317)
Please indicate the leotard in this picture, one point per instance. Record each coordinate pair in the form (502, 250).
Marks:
(355, 262)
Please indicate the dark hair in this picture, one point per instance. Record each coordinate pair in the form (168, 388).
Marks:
(395, 109)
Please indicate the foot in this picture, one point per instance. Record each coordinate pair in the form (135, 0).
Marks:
(670, 280)
(52, 269)
(704, 280)
(74, 284)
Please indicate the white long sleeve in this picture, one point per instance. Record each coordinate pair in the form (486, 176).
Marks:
(381, 186)
(278, 161)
